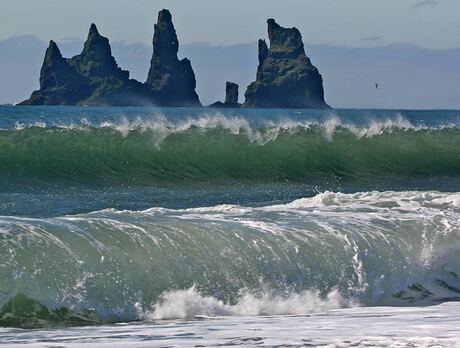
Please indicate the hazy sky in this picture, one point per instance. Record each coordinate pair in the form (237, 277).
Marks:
(428, 23)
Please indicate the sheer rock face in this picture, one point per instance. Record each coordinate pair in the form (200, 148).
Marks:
(286, 77)
(231, 93)
(96, 59)
(58, 81)
(108, 83)
(171, 80)
(90, 78)
(231, 97)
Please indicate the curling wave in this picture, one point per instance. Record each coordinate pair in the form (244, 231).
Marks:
(328, 251)
(229, 149)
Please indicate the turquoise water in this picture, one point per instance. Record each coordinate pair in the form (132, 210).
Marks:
(133, 214)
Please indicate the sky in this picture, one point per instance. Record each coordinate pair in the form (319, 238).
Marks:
(426, 23)
(410, 47)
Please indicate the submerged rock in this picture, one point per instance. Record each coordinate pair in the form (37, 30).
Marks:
(231, 97)
(172, 80)
(286, 78)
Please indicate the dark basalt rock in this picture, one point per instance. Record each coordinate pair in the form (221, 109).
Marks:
(94, 77)
(108, 83)
(231, 97)
(263, 53)
(172, 80)
(90, 78)
(231, 93)
(96, 59)
(286, 77)
(60, 83)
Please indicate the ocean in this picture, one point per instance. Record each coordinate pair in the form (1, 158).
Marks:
(194, 227)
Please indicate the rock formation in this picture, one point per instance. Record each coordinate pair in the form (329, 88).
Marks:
(171, 80)
(231, 97)
(59, 81)
(286, 77)
(94, 78)
(90, 78)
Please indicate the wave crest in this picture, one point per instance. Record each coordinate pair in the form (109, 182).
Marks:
(221, 148)
(371, 248)
(259, 131)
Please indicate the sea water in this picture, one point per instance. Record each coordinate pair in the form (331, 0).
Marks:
(199, 227)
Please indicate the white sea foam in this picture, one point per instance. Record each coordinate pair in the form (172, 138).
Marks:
(189, 303)
(407, 199)
(385, 327)
(20, 126)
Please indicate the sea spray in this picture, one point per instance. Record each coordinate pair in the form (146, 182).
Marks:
(189, 304)
(331, 250)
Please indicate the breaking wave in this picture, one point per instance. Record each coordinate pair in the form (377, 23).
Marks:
(189, 304)
(329, 251)
(229, 149)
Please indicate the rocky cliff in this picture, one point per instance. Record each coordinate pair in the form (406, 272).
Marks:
(171, 80)
(286, 78)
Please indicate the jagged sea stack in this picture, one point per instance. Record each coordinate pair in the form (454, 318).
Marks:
(90, 78)
(286, 78)
(231, 93)
(109, 84)
(231, 97)
(172, 80)
(58, 81)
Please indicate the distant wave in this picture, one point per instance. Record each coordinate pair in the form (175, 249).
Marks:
(261, 132)
(229, 149)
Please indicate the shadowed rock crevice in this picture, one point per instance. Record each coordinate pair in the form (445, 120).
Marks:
(286, 78)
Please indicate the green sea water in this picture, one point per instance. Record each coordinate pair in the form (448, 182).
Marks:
(128, 214)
